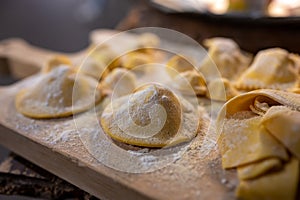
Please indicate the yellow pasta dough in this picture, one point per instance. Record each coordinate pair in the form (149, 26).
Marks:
(259, 168)
(244, 141)
(278, 185)
(254, 104)
(58, 93)
(152, 117)
(100, 61)
(221, 89)
(112, 49)
(272, 68)
(148, 40)
(296, 90)
(55, 62)
(136, 61)
(190, 82)
(244, 101)
(178, 64)
(273, 114)
(94, 67)
(226, 55)
(130, 53)
(120, 82)
(284, 124)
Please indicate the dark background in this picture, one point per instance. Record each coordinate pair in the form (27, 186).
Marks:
(61, 25)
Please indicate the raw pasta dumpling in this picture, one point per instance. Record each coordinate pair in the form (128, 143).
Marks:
(59, 93)
(226, 55)
(221, 89)
(178, 64)
(271, 69)
(120, 82)
(151, 117)
(55, 62)
(190, 82)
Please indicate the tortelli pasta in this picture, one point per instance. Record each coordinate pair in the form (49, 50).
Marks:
(226, 55)
(153, 116)
(178, 64)
(59, 93)
(120, 82)
(190, 82)
(272, 69)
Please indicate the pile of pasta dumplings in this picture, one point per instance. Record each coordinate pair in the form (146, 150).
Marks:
(258, 126)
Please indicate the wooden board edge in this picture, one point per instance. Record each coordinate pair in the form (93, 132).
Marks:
(53, 162)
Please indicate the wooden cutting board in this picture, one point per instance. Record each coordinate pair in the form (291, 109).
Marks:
(57, 146)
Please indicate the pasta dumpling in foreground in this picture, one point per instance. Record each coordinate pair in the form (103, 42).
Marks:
(153, 116)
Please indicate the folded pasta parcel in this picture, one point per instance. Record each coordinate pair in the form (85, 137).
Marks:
(60, 92)
(226, 56)
(271, 69)
(152, 116)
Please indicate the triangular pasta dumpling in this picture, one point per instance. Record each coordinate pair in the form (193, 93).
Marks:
(151, 117)
(272, 69)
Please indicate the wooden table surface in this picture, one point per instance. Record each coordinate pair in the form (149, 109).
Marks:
(195, 174)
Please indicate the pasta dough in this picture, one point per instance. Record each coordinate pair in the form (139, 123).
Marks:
(59, 93)
(190, 82)
(136, 61)
(276, 186)
(226, 55)
(93, 67)
(284, 124)
(247, 142)
(243, 102)
(108, 56)
(99, 62)
(296, 90)
(257, 169)
(178, 64)
(221, 89)
(120, 81)
(55, 62)
(152, 117)
(273, 114)
(112, 48)
(272, 68)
